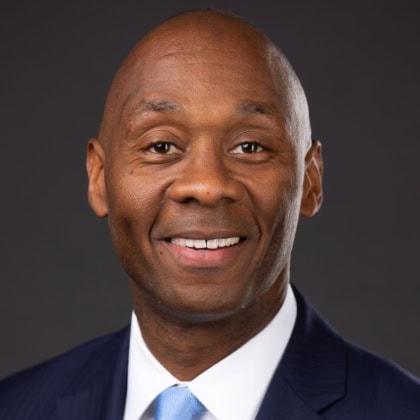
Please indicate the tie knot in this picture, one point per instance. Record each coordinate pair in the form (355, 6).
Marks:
(177, 403)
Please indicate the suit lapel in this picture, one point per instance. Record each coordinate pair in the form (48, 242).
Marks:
(281, 402)
(312, 373)
(104, 397)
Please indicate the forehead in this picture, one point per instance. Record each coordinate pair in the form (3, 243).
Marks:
(193, 65)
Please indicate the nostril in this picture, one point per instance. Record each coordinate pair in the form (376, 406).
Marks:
(188, 200)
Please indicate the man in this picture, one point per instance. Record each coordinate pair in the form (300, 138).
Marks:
(203, 164)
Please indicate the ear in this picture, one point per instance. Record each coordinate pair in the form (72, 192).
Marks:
(95, 160)
(312, 184)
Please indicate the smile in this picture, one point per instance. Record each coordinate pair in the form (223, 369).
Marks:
(206, 244)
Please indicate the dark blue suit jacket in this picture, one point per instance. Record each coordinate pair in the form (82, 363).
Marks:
(321, 376)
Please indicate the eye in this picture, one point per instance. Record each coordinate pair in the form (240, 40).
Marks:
(163, 148)
(248, 147)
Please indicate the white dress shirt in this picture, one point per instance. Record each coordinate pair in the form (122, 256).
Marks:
(232, 389)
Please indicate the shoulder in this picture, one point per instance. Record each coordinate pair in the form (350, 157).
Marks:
(375, 387)
(342, 380)
(38, 387)
(376, 382)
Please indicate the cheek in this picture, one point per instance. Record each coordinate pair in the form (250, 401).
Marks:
(133, 208)
(132, 196)
(278, 231)
(278, 206)
(276, 196)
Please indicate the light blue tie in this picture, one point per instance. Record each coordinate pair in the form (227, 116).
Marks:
(177, 403)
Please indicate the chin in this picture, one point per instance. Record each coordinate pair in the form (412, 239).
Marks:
(203, 310)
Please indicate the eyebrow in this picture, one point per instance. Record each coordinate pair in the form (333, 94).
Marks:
(252, 107)
(159, 106)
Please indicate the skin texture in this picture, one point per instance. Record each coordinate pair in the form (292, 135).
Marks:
(205, 135)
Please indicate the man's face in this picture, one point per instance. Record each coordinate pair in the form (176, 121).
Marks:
(203, 184)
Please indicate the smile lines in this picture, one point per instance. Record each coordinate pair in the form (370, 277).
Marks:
(206, 244)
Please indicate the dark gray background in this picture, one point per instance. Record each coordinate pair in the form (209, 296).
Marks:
(357, 260)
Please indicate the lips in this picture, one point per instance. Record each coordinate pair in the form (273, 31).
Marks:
(204, 248)
(215, 243)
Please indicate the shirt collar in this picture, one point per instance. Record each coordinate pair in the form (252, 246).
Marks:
(231, 389)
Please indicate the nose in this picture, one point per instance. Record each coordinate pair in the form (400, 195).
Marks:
(205, 179)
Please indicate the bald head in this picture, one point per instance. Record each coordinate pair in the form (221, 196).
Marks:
(214, 36)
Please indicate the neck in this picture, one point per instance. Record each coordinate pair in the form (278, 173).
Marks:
(187, 347)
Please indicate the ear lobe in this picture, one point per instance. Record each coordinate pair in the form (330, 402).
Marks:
(95, 160)
(312, 185)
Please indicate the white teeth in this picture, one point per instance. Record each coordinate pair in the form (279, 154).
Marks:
(231, 241)
(189, 243)
(212, 243)
(209, 244)
(199, 244)
(181, 241)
